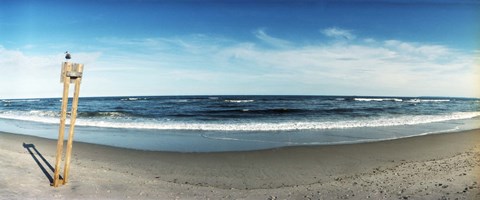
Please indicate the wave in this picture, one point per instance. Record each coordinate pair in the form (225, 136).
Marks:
(181, 101)
(133, 99)
(102, 114)
(378, 99)
(239, 100)
(51, 118)
(427, 100)
(400, 100)
(285, 111)
(48, 117)
(255, 111)
(19, 100)
(285, 126)
(34, 115)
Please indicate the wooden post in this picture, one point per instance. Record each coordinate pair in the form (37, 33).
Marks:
(70, 73)
(63, 115)
(73, 119)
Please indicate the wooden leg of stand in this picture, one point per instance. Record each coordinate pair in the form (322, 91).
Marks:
(73, 118)
(61, 132)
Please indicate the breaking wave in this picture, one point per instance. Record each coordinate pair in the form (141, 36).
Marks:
(124, 122)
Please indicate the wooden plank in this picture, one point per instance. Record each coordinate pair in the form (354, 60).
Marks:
(61, 132)
(74, 74)
(73, 119)
(64, 71)
(70, 73)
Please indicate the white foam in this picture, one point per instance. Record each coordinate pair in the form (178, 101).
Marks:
(287, 126)
(427, 100)
(138, 123)
(181, 101)
(132, 99)
(35, 116)
(239, 101)
(20, 100)
(378, 99)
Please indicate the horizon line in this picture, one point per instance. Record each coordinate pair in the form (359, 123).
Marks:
(245, 95)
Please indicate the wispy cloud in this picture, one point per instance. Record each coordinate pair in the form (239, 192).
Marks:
(276, 42)
(428, 51)
(338, 33)
(202, 64)
(34, 75)
(369, 66)
(390, 67)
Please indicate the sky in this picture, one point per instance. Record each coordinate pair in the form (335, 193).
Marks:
(233, 47)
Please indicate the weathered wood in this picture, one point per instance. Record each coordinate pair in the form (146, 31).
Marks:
(74, 70)
(71, 73)
(63, 74)
(74, 74)
(61, 132)
(73, 119)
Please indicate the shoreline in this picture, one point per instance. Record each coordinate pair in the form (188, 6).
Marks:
(392, 168)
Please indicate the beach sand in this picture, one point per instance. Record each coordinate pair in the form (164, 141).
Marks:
(424, 167)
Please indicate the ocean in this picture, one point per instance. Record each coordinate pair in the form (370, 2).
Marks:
(241, 123)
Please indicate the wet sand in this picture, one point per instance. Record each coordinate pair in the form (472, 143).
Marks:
(424, 167)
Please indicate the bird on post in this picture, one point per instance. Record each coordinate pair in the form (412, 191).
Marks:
(67, 55)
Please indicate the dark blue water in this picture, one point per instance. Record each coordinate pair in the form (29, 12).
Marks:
(222, 123)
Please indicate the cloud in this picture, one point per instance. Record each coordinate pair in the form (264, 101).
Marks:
(338, 33)
(23, 75)
(276, 42)
(202, 64)
(391, 67)
(206, 65)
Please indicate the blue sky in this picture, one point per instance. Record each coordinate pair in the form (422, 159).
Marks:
(382, 48)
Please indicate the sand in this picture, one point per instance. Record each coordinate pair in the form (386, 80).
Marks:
(441, 166)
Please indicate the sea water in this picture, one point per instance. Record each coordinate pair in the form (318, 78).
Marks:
(239, 123)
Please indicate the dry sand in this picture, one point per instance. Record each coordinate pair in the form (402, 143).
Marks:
(441, 166)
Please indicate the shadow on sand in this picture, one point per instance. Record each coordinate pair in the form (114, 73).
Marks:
(31, 147)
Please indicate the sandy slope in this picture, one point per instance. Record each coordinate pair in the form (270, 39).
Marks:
(425, 167)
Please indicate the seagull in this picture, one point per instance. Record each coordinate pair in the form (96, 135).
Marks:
(67, 56)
